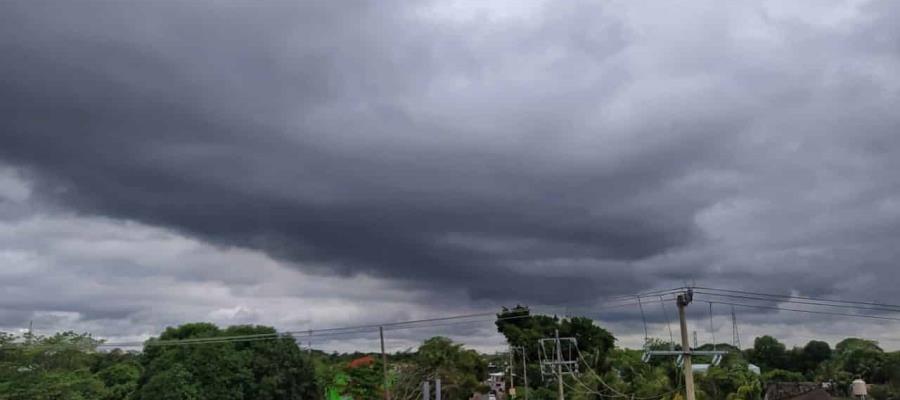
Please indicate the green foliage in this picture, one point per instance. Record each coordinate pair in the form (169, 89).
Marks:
(730, 381)
(780, 375)
(66, 366)
(851, 344)
(172, 383)
(54, 367)
(768, 353)
(462, 371)
(264, 369)
(120, 379)
(526, 330)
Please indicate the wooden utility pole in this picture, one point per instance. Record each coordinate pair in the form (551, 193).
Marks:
(387, 390)
(683, 301)
(559, 375)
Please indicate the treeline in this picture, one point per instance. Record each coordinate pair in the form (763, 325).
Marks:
(68, 366)
(816, 361)
(607, 371)
(195, 362)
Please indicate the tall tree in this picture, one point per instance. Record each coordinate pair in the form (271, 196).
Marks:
(768, 353)
(263, 369)
(814, 353)
(54, 367)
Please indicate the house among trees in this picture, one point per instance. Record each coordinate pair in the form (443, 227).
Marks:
(796, 391)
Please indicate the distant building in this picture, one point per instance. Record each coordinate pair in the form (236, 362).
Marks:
(796, 391)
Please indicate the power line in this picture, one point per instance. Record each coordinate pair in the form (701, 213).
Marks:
(893, 307)
(325, 332)
(780, 300)
(594, 300)
(808, 311)
(331, 332)
(612, 389)
(317, 332)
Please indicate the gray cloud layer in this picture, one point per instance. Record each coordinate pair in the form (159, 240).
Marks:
(531, 152)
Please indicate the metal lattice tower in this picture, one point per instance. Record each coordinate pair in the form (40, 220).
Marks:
(555, 353)
(735, 336)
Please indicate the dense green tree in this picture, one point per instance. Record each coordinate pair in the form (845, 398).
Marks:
(172, 383)
(462, 371)
(120, 379)
(865, 363)
(262, 369)
(730, 380)
(67, 366)
(522, 329)
(780, 375)
(814, 353)
(768, 353)
(851, 344)
(629, 374)
(54, 367)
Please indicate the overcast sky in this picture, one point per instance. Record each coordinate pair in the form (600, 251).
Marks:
(319, 164)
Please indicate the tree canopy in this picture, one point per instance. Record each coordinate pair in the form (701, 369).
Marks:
(68, 366)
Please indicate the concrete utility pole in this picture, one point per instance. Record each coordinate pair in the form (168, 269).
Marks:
(683, 301)
(512, 383)
(559, 375)
(437, 388)
(387, 391)
(426, 391)
(524, 372)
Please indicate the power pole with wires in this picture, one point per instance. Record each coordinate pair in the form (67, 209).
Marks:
(512, 383)
(559, 375)
(683, 301)
(524, 371)
(552, 360)
(387, 390)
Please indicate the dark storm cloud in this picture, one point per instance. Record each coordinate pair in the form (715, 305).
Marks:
(545, 157)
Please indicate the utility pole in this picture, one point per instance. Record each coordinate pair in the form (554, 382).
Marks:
(387, 391)
(559, 375)
(524, 372)
(683, 301)
(512, 383)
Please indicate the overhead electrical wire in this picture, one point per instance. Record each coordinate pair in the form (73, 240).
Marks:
(609, 303)
(361, 329)
(595, 300)
(760, 306)
(329, 332)
(614, 390)
(314, 333)
(818, 300)
(804, 302)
